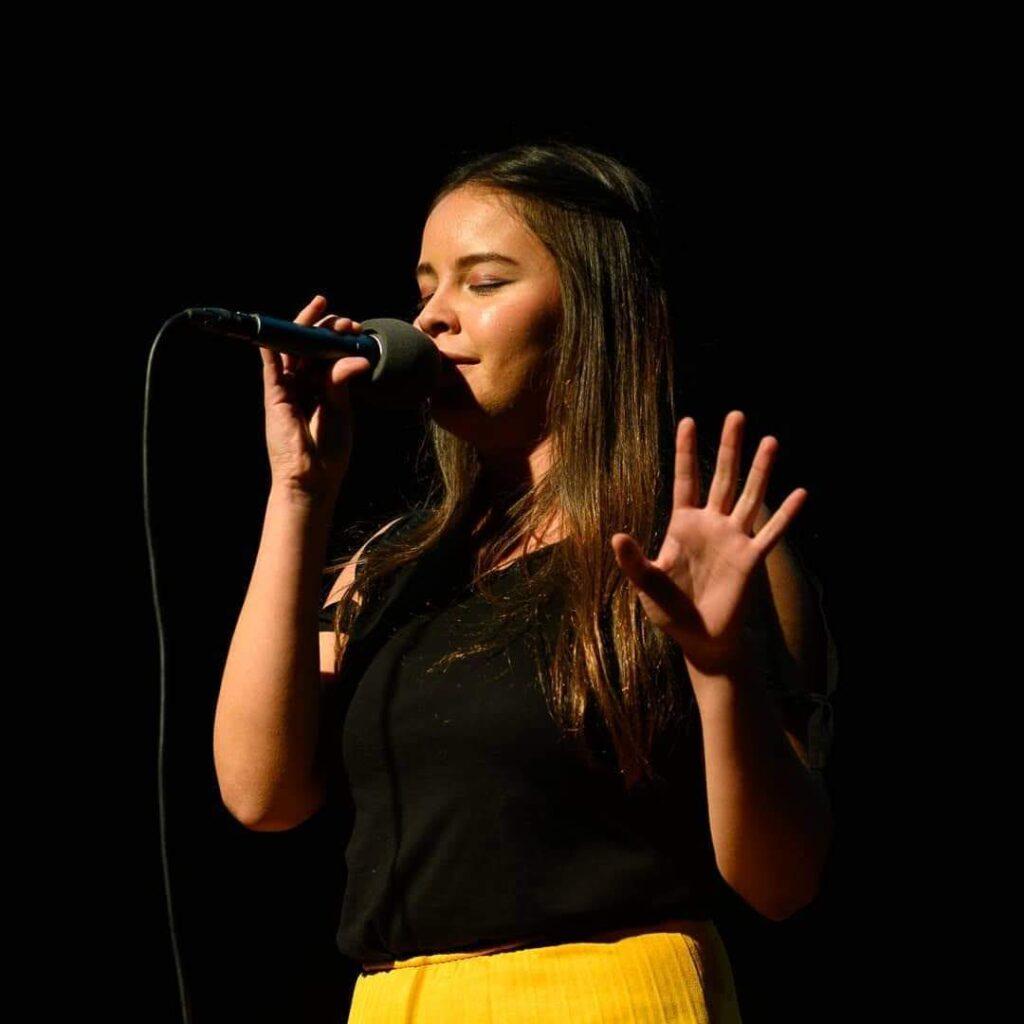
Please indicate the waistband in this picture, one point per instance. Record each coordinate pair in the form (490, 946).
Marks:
(613, 935)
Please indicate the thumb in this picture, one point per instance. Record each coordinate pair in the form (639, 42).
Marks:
(648, 579)
(341, 374)
(635, 565)
(629, 554)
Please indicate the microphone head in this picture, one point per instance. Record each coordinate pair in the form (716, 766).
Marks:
(409, 368)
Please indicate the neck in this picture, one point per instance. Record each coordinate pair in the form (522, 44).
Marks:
(512, 471)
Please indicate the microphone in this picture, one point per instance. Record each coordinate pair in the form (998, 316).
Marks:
(405, 364)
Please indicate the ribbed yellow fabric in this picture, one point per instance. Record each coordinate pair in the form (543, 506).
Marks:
(678, 973)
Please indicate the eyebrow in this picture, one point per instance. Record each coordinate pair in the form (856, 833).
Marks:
(468, 261)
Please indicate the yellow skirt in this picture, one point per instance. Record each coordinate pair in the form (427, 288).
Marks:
(676, 971)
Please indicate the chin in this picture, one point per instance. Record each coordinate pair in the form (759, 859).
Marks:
(457, 411)
(454, 409)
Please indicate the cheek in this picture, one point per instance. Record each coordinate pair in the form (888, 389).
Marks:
(519, 330)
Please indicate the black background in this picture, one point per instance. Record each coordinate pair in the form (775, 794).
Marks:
(767, 263)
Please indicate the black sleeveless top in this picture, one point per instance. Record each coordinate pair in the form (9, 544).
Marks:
(473, 823)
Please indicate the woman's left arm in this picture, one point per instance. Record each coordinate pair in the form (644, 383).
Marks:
(771, 823)
(771, 820)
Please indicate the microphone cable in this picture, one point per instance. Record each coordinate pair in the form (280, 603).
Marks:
(186, 1008)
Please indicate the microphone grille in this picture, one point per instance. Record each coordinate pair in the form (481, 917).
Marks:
(409, 367)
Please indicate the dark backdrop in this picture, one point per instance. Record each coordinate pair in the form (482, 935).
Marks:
(759, 214)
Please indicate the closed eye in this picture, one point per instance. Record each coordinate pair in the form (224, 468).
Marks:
(489, 287)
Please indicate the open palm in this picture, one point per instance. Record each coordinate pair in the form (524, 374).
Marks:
(695, 589)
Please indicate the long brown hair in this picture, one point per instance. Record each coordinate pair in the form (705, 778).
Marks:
(611, 420)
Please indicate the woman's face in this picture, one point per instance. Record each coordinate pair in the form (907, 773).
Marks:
(498, 313)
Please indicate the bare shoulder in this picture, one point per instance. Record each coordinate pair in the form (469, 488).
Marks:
(348, 573)
(345, 580)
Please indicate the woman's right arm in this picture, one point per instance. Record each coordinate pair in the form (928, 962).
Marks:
(266, 722)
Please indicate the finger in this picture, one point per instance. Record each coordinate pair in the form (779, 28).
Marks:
(646, 576)
(333, 322)
(337, 323)
(306, 318)
(315, 428)
(341, 324)
(308, 314)
(296, 364)
(630, 556)
(768, 536)
(686, 489)
(272, 366)
(756, 485)
(724, 483)
(345, 323)
(352, 364)
(347, 367)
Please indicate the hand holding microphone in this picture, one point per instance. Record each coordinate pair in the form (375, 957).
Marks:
(308, 411)
(309, 366)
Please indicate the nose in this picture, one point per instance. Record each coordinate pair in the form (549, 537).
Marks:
(435, 319)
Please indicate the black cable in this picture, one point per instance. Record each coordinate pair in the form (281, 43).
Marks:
(182, 991)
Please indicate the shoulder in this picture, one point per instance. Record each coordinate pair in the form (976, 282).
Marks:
(346, 577)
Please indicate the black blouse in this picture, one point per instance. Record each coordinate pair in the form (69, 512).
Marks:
(473, 823)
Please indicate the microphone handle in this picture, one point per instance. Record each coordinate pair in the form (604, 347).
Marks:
(286, 336)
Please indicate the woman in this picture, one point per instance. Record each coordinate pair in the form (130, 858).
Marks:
(553, 747)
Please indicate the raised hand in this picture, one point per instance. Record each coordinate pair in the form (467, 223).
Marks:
(695, 589)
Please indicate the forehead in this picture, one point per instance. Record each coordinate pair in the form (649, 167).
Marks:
(468, 220)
